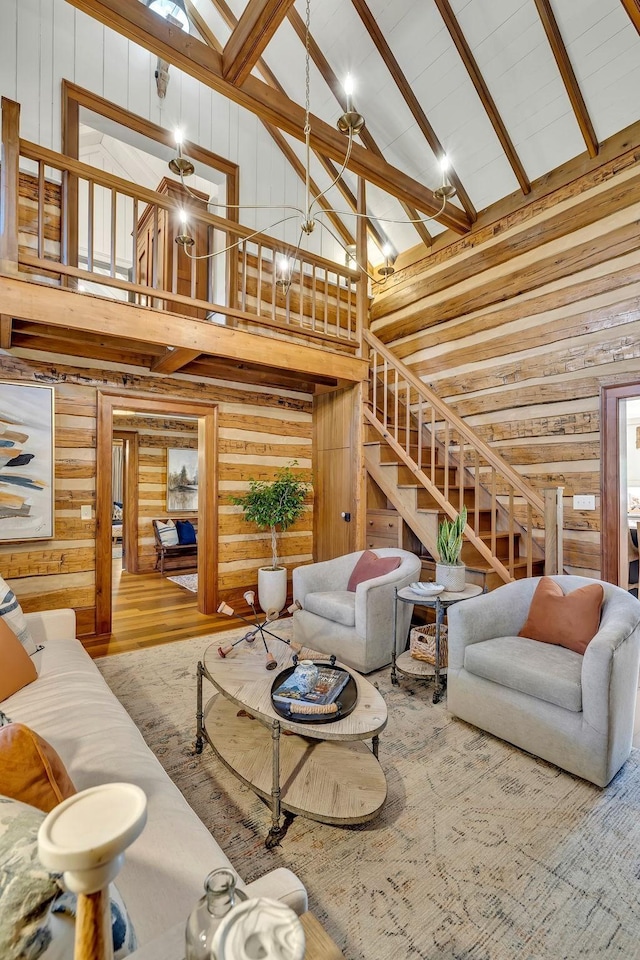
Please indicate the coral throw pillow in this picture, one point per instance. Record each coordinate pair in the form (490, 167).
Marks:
(569, 620)
(16, 666)
(369, 566)
(30, 769)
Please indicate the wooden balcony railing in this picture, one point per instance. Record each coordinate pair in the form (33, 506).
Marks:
(68, 223)
(457, 468)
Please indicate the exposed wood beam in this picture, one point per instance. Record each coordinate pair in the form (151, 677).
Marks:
(255, 28)
(633, 9)
(482, 90)
(174, 360)
(336, 88)
(209, 37)
(556, 42)
(27, 300)
(410, 98)
(138, 23)
(6, 327)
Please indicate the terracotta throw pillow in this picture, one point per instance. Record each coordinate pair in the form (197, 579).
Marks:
(369, 566)
(30, 769)
(16, 666)
(569, 620)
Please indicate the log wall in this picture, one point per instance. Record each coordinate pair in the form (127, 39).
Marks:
(260, 431)
(520, 324)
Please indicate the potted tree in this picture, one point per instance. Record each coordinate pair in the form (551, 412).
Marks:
(274, 506)
(449, 571)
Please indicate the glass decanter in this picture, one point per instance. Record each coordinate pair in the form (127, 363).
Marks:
(220, 896)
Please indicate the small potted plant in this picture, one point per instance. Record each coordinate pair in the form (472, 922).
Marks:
(274, 506)
(449, 571)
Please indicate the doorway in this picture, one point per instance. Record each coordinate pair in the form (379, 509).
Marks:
(620, 473)
(206, 416)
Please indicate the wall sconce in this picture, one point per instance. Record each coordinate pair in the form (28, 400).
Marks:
(174, 12)
(389, 259)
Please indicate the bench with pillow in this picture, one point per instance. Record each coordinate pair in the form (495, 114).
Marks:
(176, 541)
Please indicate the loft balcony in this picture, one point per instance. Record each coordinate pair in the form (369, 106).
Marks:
(96, 266)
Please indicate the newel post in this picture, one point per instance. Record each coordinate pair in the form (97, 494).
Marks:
(553, 529)
(10, 163)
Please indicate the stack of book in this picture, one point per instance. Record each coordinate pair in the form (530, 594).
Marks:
(324, 693)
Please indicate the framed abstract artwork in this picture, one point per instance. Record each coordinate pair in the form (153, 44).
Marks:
(26, 462)
(182, 480)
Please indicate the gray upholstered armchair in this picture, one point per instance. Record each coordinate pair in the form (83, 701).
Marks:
(356, 626)
(575, 711)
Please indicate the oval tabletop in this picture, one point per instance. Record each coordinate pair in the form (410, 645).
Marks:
(444, 597)
(243, 678)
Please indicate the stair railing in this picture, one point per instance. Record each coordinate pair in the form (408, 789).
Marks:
(456, 467)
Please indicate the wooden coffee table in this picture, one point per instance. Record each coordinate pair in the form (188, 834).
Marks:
(324, 771)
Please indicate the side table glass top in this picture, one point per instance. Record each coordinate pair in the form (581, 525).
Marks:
(446, 597)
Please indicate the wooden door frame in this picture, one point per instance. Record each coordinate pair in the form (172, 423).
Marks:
(207, 417)
(131, 440)
(610, 479)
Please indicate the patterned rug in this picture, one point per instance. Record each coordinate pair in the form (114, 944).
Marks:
(188, 580)
(481, 852)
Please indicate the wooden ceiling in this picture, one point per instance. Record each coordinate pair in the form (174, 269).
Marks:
(507, 89)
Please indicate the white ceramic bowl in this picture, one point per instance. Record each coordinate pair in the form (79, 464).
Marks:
(428, 589)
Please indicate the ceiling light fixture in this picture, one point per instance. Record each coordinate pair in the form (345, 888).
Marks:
(349, 123)
(174, 12)
(387, 269)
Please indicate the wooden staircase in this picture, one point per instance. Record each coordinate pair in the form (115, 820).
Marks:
(428, 463)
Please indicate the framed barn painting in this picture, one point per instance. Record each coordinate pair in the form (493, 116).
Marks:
(26, 462)
(182, 480)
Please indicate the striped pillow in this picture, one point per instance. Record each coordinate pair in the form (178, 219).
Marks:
(167, 533)
(11, 610)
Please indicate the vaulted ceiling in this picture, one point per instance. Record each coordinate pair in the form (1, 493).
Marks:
(508, 89)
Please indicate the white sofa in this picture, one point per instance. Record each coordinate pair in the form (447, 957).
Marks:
(71, 706)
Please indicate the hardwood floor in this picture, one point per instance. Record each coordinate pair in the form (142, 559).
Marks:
(149, 609)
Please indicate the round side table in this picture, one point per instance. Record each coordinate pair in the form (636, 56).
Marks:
(403, 662)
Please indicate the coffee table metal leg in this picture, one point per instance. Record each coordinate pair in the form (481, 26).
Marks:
(199, 714)
(374, 745)
(277, 831)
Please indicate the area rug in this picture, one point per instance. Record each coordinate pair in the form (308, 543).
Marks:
(481, 852)
(188, 580)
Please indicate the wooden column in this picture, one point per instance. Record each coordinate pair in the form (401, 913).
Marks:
(553, 528)
(208, 512)
(362, 289)
(9, 173)
(70, 148)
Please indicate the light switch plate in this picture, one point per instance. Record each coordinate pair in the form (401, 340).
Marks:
(85, 511)
(584, 502)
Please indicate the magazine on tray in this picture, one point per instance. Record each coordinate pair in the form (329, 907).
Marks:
(326, 689)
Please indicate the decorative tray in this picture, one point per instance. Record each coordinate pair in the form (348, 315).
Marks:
(346, 702)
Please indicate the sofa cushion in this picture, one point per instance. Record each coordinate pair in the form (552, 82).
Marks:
(370, 566)
(36, 915)
(186, 532)
(31, 770)
(550, 673)
(16, 666)
(11, 611)
(336, 605)
(167, 532)
(570, 620)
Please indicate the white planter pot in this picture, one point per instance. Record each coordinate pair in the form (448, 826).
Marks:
(451, 578)
(272, 588)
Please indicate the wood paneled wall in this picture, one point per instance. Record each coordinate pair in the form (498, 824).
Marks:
(520, 324)
(259, 432)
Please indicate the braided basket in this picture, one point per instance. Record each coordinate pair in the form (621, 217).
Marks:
(422, 644)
